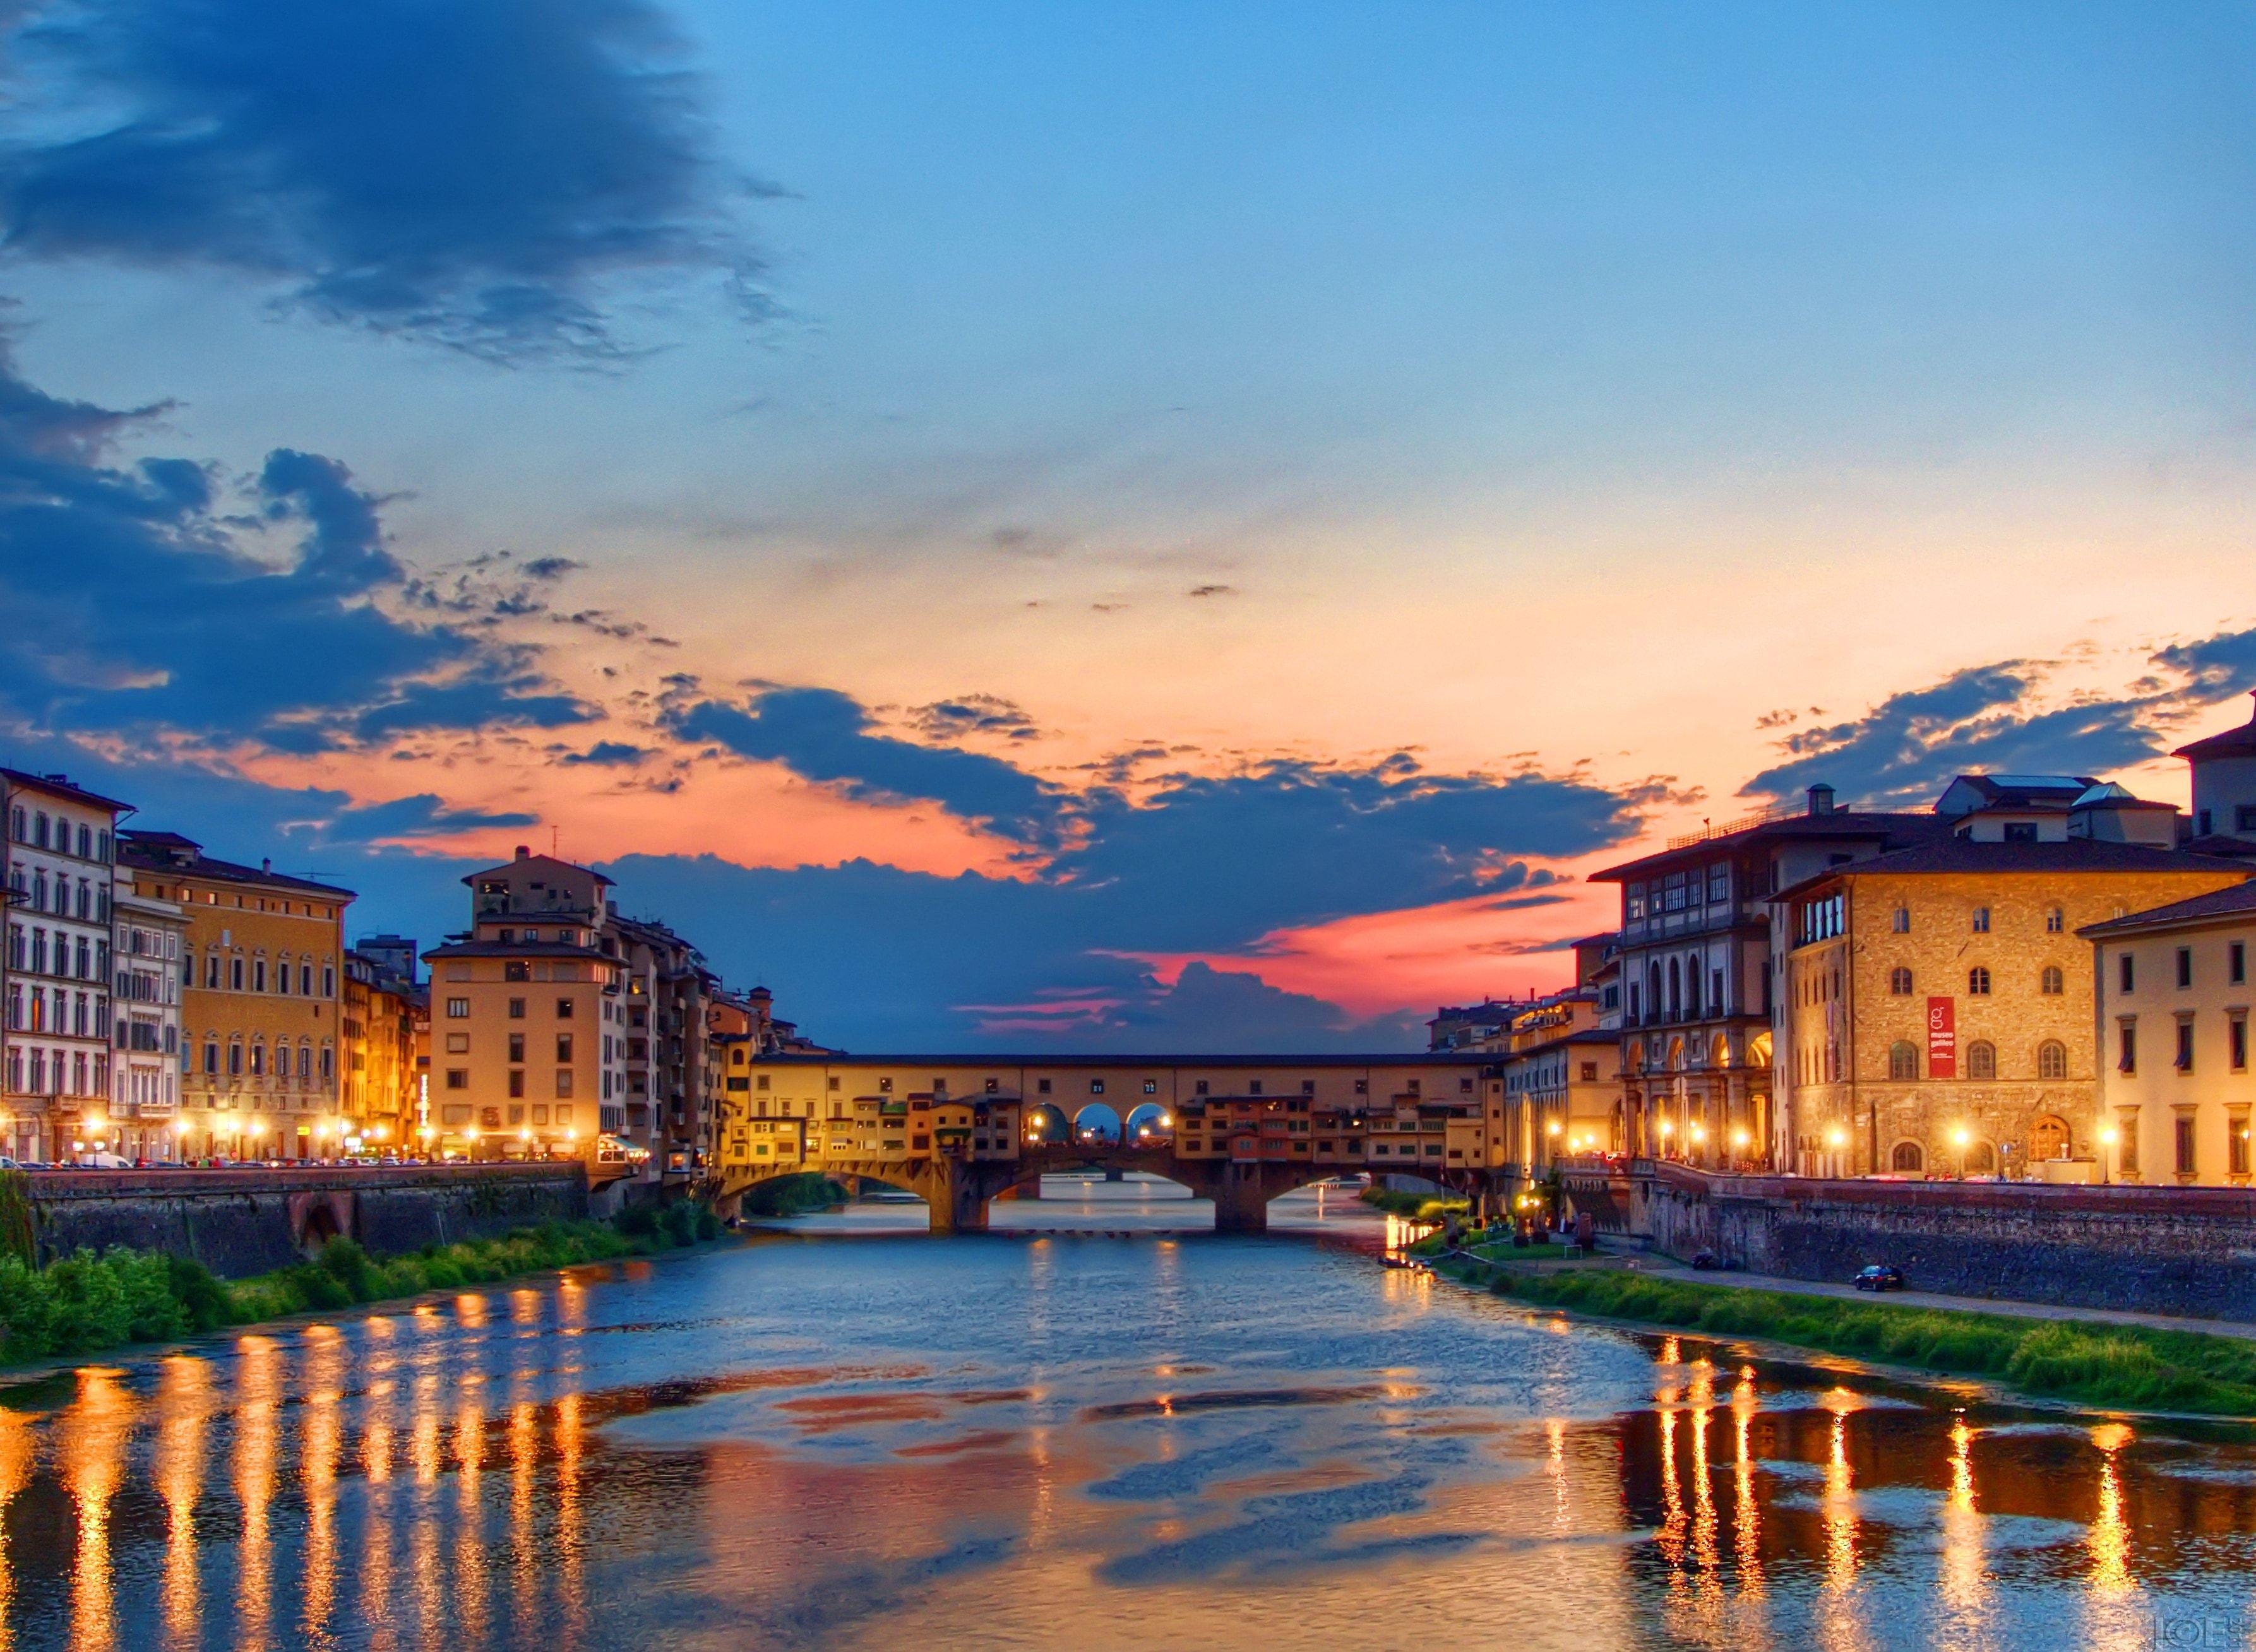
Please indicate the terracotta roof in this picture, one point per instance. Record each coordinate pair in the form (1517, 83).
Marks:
(2072, 855)
(169, 852)
(515, 949)
(2233, 742)
(2240, 899)
(61, 787)
(1905, 826)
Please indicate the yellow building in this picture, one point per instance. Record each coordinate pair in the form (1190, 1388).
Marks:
(2175, 996)
(381, 1080)
(260, 1013)
(528, 1035)
(1562, 1085)
(1939, 1007)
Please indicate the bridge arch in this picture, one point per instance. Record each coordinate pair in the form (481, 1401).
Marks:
(1150, 1125)
(1096, 1122)
(1045, 1124)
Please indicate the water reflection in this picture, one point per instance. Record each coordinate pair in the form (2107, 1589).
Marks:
(1165, 1442)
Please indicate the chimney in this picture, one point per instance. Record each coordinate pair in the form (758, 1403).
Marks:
(1820, 800)
(264, 864)
(522, 853)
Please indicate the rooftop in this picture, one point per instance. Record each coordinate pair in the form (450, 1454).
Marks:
(2068, 854)
(1131, 1059)
(1841, 823)
(61, 787)
(185, 857)
(2233, 742)
(2239, 901)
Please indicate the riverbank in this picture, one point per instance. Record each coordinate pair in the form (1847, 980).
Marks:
(2112, 1366)
(95, 1303)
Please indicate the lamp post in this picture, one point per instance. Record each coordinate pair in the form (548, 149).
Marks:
(1959, 1139)
(2108, 1137)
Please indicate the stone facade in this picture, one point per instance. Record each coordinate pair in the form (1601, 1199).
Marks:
(1940, 1022)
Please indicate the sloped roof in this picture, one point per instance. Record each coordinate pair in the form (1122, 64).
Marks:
(2233, 742)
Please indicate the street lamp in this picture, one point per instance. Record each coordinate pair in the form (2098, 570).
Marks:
(1959, 1139)
(2108, 1137)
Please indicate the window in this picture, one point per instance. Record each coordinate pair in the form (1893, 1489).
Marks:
(257, 1059)
(2052, 1059)
(1096, 1086)
(516, 1010)
(1981, 920)
(235, 972)
(258, 975)
(1254, 1088)
(517, 1046)
(1899, 981)
(1903, 1061)
(2184, 1058)
(764, 1081)
(564, 1082)
(1907, 1159)
(885, 1085)
(1981, 1059)
(1199, 1087)
(2236, 1044)
(517, 969)
(1901, 921)
(1719, 883)
(2020, 832)
(458, 1009)
(2185, 967)
(458, 1044)
(2051, 982)
(2244, 818)
(1978, 982)
(329, 981)
(2183, 1136)
(2127, 1047)
(458, 1077)
(2055, 920)
(517, 1082)
(211, 1057)
(2125, 975)
(564, 1048)
(282, 978)
(2236, 1144)
(565, 1009)
(2236, 962)
(1151, 1086)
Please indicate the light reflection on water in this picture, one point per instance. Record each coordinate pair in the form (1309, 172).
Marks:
(1156, 1441)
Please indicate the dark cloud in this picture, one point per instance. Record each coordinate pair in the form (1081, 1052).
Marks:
(1905, 750)
(826, 736)
(476, 173)
(972, 714)
(1212, 590)
(613, 754)
(2219, 665)
(422, 816)
(135, 603)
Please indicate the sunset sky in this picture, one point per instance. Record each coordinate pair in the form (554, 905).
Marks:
(1176, 525)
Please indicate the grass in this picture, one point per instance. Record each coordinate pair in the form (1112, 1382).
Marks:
(2101, 1364)
(1417, 1207)
(93, 1301)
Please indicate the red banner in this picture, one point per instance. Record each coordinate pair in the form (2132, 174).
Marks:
(1941, 1038)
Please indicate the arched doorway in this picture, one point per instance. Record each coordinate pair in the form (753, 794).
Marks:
(1981, 1159)
(1909, 1158)
(2049, 1138)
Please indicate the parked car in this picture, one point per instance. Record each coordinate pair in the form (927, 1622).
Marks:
(1880, 1276)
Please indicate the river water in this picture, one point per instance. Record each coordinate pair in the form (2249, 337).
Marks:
(1149, 1441)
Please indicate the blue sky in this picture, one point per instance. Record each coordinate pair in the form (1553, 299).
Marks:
(1177, 523)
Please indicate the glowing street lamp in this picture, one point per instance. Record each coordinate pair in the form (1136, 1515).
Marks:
(2108, 1137)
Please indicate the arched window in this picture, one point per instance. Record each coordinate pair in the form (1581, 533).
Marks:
(282, 976)
(1903, 1059)
(257, 1059)
(258, 974)
(1978, 982)
(1901, 922)
(304, 1061)
(211, 1057)
(2052, 983)
(1907, 1157)
(233, 1060)
(235, 972)
(2052, 1059)
(1899, 981)
(1981, 1059)
(1981, 1159)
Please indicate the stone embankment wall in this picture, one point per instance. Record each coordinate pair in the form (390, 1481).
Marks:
(2163, 1250)
(249, 1220)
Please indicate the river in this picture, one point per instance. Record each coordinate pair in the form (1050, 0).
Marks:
(1031, 1440)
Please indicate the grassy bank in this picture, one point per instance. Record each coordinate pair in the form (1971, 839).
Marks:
(92, 1302)
(1417, 1207)
(2089, 1363)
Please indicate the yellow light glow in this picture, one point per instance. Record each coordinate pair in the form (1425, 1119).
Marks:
(1666, 1127)
(2108, 1135)
(1739, 1138)
(1836, 1138)
(1699, 1132)
(1552, 1127)
(1959, 1136)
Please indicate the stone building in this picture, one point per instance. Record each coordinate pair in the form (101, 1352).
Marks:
(1938, 1006)
(528, 1030)
(382, 1082)
(59, 852)
(1697, 971)
(148, 953)
(2174, 994)
(262, 983)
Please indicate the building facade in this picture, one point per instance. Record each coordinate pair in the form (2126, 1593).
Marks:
(1939, 1007)
(148, 953)
(2224, 789)
(382, 1090)
(55, 979)
(528, 1025)
(261, 1000)
(2173, 1001)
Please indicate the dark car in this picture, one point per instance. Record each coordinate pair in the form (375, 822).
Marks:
(1880, 1276)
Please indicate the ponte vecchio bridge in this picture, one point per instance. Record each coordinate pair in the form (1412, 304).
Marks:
(962, 1130)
